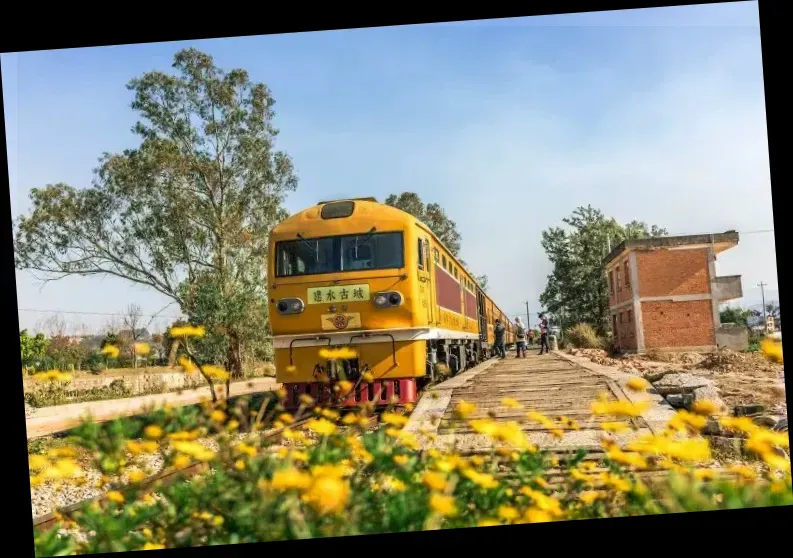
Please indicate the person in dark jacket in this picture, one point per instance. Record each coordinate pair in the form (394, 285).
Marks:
(500, 331)
(544, 334)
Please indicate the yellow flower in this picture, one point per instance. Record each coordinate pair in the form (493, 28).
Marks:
(772, 350)
(488, 523)
(217, 416)
(777, 462)
(349, 419)
(483, 426)
(763, 441)
(328, 495)
(393, 485)
(239, 465)
(705, 407)
(543, 502)
(508, 513)
(578, 475)
(38, 462)
(290, 479)
(153, 546)
(217, 521)
(188, 331)
(746, 473)
(589, 497)
(620, 408)
(194, 450)
(683, 420)
(110, 350)
(705, 474)
(623, 458)
(299, 456)
(434, 481)
(187, 365)
(181, 461)
(442, 505)
(306, 400)
(484, 480)
(401, 459)
(464, 409)
(330, 471)
(534, 515)
(694, 449)
(142, 349)
(329, 414)
(153, 432)
(233, 424)
(637, 384)
(617, 483)
(216, 372)
(741, 424)
(511, 403)
(62, 452)
(115, 496)
(367, 377)
(136, 476)
(322, 427)
(394, 419)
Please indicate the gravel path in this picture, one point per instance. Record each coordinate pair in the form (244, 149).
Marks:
(48, 497)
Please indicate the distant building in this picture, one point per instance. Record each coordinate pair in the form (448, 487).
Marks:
(664, 294)
(770, 324)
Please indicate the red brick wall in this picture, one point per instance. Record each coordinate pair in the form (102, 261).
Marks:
(626, 330)
(677, 324)
(625, 291)
(673, 272)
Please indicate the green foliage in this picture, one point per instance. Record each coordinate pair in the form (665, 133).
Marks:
(577, 290)
(584, 336)
(739, 316)
(431, 215)
(33, 348)
(188, 212)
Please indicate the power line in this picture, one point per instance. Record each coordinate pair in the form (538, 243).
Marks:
(39, 311)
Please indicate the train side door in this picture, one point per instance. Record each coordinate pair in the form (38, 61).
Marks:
(425, 279)
(480, 299)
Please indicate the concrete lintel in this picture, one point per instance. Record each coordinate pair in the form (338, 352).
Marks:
(676, 298)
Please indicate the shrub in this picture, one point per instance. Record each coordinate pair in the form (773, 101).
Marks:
(583, 336)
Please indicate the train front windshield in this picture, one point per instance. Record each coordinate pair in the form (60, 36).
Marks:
(337, 254)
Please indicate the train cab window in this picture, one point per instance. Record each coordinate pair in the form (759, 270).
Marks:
(443, 259)
(336, 254)
(436, 255)
(455, 273)
(421, 254)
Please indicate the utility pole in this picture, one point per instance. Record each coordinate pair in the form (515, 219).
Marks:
(528, 316)
(762, 293)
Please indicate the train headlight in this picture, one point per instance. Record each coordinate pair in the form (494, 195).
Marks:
(290, 306)
(387, 300)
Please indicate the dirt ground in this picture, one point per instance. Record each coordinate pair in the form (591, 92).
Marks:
(741, 378)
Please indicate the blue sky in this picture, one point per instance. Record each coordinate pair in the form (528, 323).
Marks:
(654, 114)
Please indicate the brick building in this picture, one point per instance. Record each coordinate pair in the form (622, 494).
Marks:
(664, 294)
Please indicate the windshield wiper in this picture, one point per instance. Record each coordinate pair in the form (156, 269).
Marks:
(368, 236)
(314, 249)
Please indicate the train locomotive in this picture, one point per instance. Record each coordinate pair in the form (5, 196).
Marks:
(368, 277)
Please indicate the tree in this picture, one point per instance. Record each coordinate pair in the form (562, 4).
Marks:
(739, 316)
(431, 215)
(187, 213)
(33, 348)
(576, 287)
(133, 332)
(438, 222)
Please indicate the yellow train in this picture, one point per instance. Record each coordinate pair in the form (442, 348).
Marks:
(367, 276)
